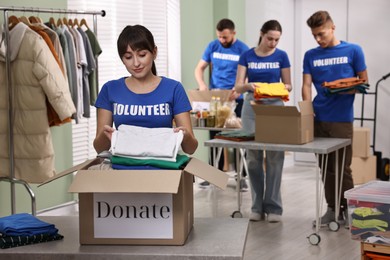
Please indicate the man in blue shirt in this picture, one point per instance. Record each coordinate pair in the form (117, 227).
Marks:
(222, 56)
(332, 60)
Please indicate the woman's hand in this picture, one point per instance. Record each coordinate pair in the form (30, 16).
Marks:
(183, 123)
(288, 87)
(108, 130)
(234, 95)
(252, 87)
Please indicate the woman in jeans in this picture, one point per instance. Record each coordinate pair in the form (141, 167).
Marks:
(264, 63)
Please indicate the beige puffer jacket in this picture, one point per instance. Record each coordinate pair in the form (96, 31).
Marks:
(35, 76)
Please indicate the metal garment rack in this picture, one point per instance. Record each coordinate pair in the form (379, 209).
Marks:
(8, 81)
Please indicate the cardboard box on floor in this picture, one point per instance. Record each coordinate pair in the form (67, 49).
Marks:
(363, 169)
(201, 99)
(361, 142)
(284, 124)
(137, 207)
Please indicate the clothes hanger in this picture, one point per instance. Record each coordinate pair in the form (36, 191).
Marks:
(12, 21)
(52, 22)
(70, 23)
(33, 19)
(65, 21)
(84, 22)
(76, 22)
(59, 22)
(25, 20)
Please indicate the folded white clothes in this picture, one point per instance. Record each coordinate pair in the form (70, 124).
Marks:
(378, 240)
(146, 143)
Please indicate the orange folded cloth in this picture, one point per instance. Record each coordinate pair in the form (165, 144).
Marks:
(343, 83)
(271, 90)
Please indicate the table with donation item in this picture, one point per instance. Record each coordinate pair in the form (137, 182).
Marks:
(319, 146)
(212, 156)
(210, 239)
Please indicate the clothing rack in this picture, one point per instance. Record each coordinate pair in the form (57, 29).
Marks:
(8, 81)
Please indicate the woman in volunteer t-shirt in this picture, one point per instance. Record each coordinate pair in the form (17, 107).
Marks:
(143, 98)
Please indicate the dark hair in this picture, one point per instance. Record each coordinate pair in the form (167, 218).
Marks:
(318, 19)
(137, 37)
(225, 24)
(271, 25)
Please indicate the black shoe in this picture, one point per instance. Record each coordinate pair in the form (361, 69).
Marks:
(204, 184)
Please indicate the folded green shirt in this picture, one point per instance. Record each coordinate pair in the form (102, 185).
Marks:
(181, 161)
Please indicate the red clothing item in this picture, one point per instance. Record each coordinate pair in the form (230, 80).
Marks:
(343, 83)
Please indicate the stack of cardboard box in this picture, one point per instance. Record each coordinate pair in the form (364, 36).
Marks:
(363, 162)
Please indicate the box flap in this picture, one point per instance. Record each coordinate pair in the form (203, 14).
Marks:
(306, 107)
(205, 96)
(137, 181)
(207, 173)
(68, 171)
(268, 110)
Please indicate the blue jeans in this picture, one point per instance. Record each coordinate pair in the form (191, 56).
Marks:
(265, 179)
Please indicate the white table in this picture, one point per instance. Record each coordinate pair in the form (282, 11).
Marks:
(319, 146)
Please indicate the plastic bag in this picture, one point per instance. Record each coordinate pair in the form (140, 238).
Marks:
(227, 117)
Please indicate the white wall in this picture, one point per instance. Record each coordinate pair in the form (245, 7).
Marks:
(369, 22)
(360, 21)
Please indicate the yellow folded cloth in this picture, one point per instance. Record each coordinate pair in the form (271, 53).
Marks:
(271, 90)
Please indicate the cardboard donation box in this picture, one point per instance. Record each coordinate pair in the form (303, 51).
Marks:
(363, 169)
(284, 124)
(361, 142)
(137, 207)
(200, 100)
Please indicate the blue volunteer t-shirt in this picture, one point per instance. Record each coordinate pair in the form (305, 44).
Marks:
(154, 109)
(224, 63)
(344, 60)
(264, 69)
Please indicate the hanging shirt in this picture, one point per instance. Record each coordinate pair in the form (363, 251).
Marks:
(154, 109)
(344, 60)
(93, 83)
(224, 63)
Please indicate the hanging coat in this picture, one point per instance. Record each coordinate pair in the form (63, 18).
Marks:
(35, 77)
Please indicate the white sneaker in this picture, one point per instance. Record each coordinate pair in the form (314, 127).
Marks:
(243, 185)
(254, 216)
(274, 218)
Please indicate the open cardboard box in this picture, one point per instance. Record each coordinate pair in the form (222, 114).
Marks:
(137, 207)
(201, 99)
(284, 124)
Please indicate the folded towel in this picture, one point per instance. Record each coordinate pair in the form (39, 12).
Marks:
(142, 142)
(24, 224)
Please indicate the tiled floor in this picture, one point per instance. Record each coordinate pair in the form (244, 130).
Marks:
(285, 240)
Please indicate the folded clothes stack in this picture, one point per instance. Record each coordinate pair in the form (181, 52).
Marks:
(346, 85)
(144, 148)
(369, 219)
(25, 229)
(271, 90)
(238, 135)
